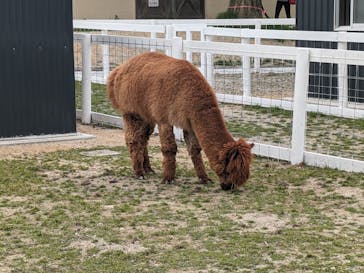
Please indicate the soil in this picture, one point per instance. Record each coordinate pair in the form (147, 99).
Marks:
(107, 137)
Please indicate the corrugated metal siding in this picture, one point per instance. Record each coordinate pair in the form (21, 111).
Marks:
(316, 15)
(36, 71)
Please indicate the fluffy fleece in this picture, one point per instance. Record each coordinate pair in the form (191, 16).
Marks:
(153, 88)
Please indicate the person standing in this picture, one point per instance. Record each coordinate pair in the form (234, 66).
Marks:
(286, 5)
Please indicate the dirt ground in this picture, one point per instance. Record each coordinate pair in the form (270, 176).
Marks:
(102, 137)
(290, 218)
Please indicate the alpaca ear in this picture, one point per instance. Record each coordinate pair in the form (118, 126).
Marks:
(249, 145)
(226, 155)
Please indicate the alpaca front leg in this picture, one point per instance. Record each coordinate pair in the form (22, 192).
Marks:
(169, 150)
(137, 157)
(194, 150)
(136, 140)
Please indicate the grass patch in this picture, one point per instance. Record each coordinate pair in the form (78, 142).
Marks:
(325, 134)
(99, 100)
(65, 212)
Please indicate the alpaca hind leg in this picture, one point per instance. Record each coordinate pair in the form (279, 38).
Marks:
(194, 150)
(146, 163)
(169, 150)
(136, 138)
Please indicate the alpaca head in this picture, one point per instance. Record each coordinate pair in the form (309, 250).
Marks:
(234, 164)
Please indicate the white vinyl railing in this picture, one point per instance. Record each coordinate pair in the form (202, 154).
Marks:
(104, 24)
(169, 29)
(207, 30)
(341, 38)
(300, 105)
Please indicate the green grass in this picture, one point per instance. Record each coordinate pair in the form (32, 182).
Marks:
(99, 100)
(325, 134)
(227, 15)
(63, 212)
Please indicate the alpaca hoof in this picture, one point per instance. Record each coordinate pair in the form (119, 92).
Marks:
(149, 170)
(204, 180)
(167, 181)
(141, 177)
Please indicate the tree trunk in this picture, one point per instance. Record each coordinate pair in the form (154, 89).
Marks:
(247, 8)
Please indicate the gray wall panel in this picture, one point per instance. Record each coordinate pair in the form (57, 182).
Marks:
(313, 15)
(36, 75)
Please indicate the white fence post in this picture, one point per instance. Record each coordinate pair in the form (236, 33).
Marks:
(189, 38)
(299, 106)
(209, 70)
(170, 34)
(86, 79)
(246, 71)
(203, 55)
(153, 35)
(105, 57)
(257, 41)
(177, 48)
(342, 79)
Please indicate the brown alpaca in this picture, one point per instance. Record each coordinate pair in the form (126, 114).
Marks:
(153, 88)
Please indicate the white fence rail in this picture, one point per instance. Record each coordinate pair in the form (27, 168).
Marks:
(299, 104)
(207, 30)
(103, 24)
(170, 28)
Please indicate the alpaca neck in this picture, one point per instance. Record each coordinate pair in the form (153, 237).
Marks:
(211, 132)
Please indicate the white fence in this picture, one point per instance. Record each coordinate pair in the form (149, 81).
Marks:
(195, 24)
(296, 148)
(169, 28)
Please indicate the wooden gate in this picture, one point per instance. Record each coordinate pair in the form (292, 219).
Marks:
(173, 9)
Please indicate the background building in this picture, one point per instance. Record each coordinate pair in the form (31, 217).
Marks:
(128, 9)
(332, 15)
(37, 74)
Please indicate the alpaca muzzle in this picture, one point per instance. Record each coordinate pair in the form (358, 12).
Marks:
(227, 187)
(230, 182)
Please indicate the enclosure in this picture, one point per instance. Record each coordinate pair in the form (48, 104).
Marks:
(76, 207)
(268, 89)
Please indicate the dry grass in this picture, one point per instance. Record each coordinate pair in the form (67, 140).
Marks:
(64, 210)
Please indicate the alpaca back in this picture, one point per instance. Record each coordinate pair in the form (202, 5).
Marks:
(160, 89)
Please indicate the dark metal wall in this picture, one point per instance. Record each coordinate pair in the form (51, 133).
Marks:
(36, 71)
(314, 15)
